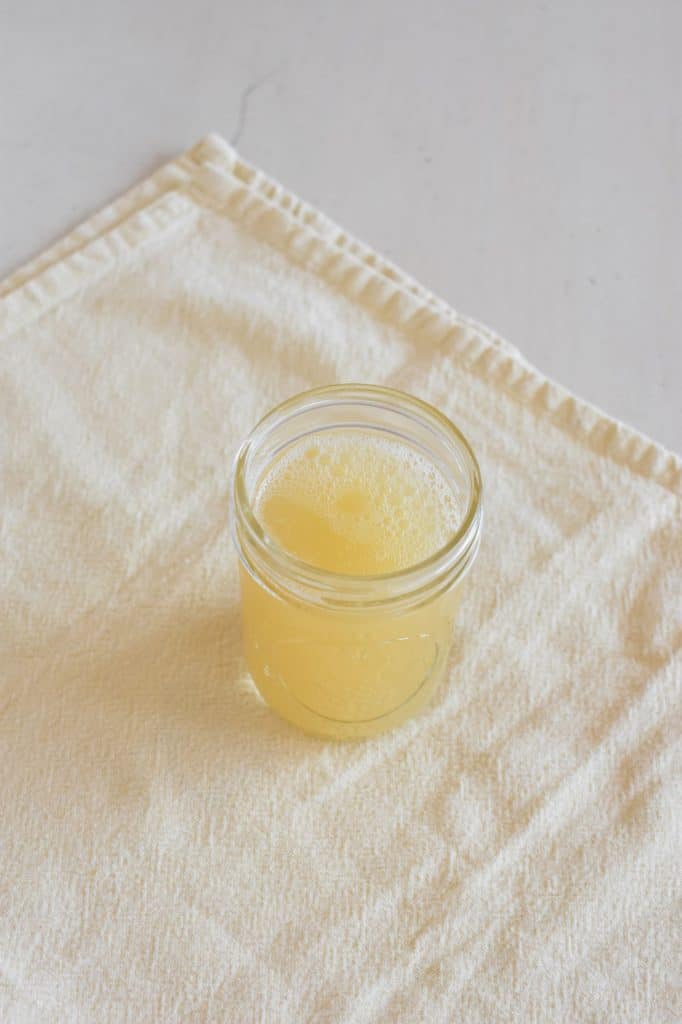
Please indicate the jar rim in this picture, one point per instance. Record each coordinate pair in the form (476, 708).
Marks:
(300, 578)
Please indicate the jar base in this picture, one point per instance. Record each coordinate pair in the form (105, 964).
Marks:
(288, 708)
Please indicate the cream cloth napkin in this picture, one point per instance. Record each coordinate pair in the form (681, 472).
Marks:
(171, 851)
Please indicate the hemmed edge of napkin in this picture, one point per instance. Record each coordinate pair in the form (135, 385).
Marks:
(164, 200)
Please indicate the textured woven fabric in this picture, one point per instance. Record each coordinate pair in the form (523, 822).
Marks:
(170, 850)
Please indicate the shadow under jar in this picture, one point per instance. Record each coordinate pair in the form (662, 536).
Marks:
(351, 654)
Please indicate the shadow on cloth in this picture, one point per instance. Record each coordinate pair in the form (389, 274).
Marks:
(128, 691)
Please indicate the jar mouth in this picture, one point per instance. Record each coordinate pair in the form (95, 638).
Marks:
(286, 573)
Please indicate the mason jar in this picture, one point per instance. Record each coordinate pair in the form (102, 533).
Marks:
(349, 656)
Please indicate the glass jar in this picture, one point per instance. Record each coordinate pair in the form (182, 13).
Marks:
(350, 656)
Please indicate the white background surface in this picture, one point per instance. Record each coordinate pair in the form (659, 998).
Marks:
(524, 160)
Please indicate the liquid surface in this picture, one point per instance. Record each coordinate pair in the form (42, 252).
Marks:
(357, 504)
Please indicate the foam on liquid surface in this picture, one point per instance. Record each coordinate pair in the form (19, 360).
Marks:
(357, 503)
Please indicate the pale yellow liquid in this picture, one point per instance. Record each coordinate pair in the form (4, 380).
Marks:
(350, 503)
